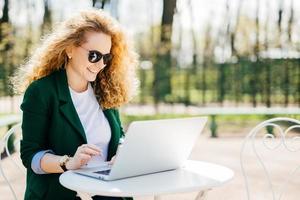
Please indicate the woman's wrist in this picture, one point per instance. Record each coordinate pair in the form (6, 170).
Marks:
(63, 161)
(69, 164)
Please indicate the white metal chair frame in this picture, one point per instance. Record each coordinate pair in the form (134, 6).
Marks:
(282, 135)
(4, 147)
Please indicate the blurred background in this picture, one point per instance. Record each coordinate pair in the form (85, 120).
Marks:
(202, 53)
(236, 61)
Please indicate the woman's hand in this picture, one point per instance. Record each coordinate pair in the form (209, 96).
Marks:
(83, 154)
(111, 162)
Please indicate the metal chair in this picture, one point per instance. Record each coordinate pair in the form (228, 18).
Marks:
(15, 132)
(282, 126)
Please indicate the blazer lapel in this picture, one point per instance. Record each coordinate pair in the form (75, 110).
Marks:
(66, 104)
(115, 133)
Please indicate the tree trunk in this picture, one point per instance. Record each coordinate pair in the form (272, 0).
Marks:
(298, 88)
(279, 21)
(162, 67)
(267, 63)
(100, 5)
(286, 83)
(268, 83)
(256, 64)
(47, 19)
(291, 21)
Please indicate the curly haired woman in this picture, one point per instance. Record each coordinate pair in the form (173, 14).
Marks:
(74, 83)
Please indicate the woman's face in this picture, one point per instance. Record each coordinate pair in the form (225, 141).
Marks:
(82, 69)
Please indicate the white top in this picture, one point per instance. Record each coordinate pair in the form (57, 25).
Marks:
(93, 120)
(193, 176)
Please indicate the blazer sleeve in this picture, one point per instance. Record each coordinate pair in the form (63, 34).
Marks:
(34, 124)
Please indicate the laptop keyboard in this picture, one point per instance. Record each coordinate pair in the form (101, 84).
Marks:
(105, 172)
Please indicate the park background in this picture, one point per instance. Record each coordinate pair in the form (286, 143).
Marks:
(197, 57)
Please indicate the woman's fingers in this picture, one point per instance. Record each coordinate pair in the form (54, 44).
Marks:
(111, 162)
(91, 146)
(84, 154)
(94, 147)
(91, 150)
(84, 158)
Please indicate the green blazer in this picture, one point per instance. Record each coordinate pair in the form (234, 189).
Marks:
(50, 121)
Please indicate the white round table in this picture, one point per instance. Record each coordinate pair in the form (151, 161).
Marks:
(193, 176)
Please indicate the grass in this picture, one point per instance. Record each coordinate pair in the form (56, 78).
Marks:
(227, 125)
(221, 118)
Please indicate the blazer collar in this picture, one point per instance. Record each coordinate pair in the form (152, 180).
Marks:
(66, 105)
(67, 108)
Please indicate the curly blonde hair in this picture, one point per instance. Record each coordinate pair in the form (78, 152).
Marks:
(114, 86)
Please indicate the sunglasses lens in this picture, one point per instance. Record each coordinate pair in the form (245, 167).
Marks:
(94, 56)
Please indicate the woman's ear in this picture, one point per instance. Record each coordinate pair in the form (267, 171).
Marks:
(69, 52)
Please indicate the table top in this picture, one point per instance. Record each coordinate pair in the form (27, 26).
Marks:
(193, 176)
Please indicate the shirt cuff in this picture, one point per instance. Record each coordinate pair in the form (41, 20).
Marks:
(121, 140)
(36, 161)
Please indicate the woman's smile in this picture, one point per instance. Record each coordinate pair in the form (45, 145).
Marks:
(93, 71)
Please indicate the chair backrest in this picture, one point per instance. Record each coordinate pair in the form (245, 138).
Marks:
(10, 145)
(272, 142)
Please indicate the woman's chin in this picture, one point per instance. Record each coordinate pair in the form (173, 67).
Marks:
(91, 77)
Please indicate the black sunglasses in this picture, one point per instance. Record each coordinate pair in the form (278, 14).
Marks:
(95, 56)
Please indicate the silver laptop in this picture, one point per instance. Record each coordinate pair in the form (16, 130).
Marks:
(150, 147)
